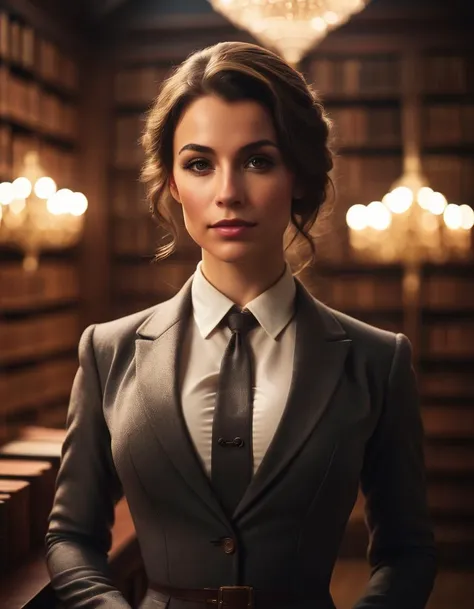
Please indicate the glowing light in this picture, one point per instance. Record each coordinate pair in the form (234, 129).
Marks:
(78, 204)
(45, 187)
(424, 196)
(467, 214)
(429, 222)
(55, 204)
(6, 193)
(22, 188)
(318, 24)
(293, 27)
(399, 200)
(437, 203)
(17, 206)
(379, 215)
(356, 217)
(453, 216)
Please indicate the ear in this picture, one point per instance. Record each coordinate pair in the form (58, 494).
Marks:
(173, 189)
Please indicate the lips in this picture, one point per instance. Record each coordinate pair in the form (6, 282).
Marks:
(234, 223)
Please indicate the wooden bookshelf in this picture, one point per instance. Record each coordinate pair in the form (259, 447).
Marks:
(40, 312)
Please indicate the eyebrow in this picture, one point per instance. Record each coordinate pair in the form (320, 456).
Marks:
(246, 148)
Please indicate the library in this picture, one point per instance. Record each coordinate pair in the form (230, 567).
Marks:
(80, 227)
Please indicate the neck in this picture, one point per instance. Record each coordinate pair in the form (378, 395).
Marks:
(242, 282)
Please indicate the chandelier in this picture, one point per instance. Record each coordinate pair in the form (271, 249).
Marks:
(34, 215)
(292, 27)
(412, 224)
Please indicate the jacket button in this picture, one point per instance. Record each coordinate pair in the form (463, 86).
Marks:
(229, 545)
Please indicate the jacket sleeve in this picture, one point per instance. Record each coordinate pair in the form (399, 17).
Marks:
(401, 548)
(87, 488)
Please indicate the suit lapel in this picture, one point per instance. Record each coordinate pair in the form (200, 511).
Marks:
(157, 363)
(321, 347)
(320, 351)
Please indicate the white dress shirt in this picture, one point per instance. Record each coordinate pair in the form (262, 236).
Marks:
(272, 343)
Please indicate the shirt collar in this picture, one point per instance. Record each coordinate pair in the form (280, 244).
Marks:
(273, 309)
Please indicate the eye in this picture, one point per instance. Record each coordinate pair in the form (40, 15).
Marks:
(197, 165)
(260, 163)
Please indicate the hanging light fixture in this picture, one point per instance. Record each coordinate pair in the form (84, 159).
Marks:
(412, 224)
(292, 27)
(34, 215)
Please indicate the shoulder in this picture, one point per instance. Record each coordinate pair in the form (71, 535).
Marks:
(112, 334)
(369, 341)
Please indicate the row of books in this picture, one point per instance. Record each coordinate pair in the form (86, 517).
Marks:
(450, 338)
(448, 292)
(56, 163)
(128, 196)
(26, 102)
(141, 237)
(332, 76)
(372, 75)
(128, 152)
(27, 339)
(163, 278)
(41, 383)
(366, 126)
(21, 45)
(360, 292)
(367, 176)
(452, 175)
(53, 283)
(448, 421)
(138, 86)
(372, 292)
(28, 468)
(442, 125)
(355, 177)
(362, 179)
(450, 74)
(448, 384)
(352, 292)
(448, 124)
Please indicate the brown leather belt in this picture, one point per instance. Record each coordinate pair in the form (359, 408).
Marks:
(227, 597)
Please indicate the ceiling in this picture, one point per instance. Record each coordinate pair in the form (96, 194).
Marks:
(103, 11)
(96, 21)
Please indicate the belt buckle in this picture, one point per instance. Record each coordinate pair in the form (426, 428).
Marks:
(235, 597)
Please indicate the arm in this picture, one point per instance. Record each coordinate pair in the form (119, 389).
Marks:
(401, 550)
(79, 534)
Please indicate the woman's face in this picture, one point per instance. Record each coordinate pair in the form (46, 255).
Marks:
(227, 166)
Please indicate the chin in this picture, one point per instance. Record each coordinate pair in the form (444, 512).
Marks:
(234, 252)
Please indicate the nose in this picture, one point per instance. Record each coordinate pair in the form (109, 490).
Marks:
(229, 188)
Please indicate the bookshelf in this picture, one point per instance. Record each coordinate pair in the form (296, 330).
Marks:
(447, 315)
(40, 313)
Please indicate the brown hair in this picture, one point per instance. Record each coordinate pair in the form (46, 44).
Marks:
(238, 71)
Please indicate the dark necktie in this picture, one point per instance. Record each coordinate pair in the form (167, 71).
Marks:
(232, 454)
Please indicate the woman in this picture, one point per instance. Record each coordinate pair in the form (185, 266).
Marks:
(240, 451)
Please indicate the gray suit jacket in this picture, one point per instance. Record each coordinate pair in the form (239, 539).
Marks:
(352, 416)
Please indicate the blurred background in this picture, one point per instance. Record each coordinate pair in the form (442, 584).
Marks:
(77, 241)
